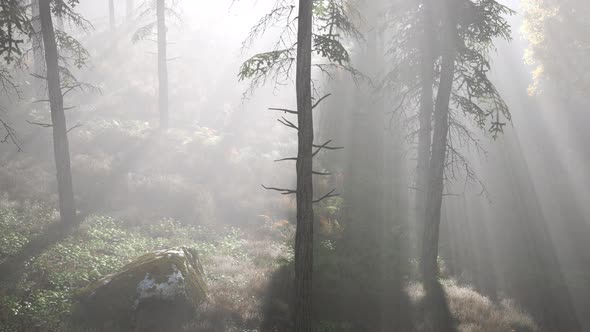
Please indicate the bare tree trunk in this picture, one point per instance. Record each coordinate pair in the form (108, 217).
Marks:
(37, 43)
(162, 65)
(61, 148)
(112, 15)
(130, 9)
(425, 118)
(439, 148)
(304, 235)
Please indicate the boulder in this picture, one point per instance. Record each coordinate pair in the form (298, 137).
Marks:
(160, 291)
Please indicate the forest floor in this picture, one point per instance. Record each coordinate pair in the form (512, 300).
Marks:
(239, 267)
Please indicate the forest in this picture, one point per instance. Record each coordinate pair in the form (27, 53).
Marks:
(294, 165)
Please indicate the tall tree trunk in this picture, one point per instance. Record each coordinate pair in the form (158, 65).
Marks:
(130, 9)
(61, 147)
(37, 43)
(304, 233)
(425, 118)
(112, 15)
(162, 65)
(439, 148)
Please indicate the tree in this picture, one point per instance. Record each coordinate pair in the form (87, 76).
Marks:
(455, 38)
(13, 25)
(562, 61)
(161, 10)
(304, 234)
(468, 31)
(37, 44)
(425, 114)
(61, 148)
(435, 184)
(14, 28)
(318, 27)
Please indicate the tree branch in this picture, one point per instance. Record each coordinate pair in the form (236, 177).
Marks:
(325, 146)
(281, 190)
(287, 123)
(320, 100)
(286, 159)
(326, 196)
(78, 125)
(283, 110)
(44, 125)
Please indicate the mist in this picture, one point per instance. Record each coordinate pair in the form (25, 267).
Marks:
(282, 165)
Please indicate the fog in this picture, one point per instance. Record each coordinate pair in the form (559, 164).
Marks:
(184, 168)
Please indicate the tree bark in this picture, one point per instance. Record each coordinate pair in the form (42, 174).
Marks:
(304, 233)
(425, 119)
(61, 148)
(112, 15)
(439, 148)
(162, 65)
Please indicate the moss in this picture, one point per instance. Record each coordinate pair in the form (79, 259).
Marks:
(173, 277)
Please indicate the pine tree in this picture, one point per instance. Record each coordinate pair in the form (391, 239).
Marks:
(67, 207)
(319, 25)
(160, 9)
(304, 233)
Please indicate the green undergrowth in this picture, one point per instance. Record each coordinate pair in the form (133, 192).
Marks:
(42, 299)
(249, 275)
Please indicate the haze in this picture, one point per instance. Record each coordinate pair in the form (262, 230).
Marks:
(442, 146)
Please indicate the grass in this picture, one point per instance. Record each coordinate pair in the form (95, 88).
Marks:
(474, 312)
(237, 266)
(241, 268)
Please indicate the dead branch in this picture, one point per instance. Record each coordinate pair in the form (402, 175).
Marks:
(326, 196)
(281, 190)
(69, 89)
(43, 125)
(39, 77)
(287, 123)
(320, 100)
(283, 110)
(78, 125)
(286, 159)
(10, 135)
(325, 146)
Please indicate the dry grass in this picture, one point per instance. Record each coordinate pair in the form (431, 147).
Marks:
(474, 312)
(238, 284)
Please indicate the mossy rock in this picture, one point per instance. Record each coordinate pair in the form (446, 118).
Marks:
(159, 291)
